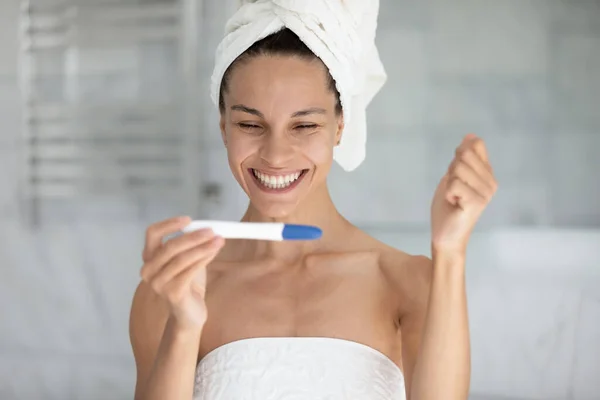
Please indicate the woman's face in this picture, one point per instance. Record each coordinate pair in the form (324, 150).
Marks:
(280, 128)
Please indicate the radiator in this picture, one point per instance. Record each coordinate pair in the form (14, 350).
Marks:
(109, 101)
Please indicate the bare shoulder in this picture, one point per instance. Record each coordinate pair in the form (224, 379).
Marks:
(147, 322)
(409, 276)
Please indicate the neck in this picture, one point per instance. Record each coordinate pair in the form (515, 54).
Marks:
(317, 210)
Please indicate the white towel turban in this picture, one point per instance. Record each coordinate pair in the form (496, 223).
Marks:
(340, 32)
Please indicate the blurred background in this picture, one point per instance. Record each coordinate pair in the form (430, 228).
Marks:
(106, 126)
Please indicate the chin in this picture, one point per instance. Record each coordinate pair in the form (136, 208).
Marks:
(274, 209)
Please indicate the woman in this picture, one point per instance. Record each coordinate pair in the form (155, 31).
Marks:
(342, 317)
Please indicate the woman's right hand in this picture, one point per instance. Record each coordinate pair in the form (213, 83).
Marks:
(176, 270)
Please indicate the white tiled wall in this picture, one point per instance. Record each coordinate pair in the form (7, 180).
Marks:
(521, 73)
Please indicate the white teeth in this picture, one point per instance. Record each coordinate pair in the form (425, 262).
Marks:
(276, 182)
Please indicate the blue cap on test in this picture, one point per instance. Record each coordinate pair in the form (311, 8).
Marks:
(300, 232)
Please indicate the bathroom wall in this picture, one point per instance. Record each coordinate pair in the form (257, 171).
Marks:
(523, 74)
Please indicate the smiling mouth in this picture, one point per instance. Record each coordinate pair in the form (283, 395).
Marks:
(277, 183)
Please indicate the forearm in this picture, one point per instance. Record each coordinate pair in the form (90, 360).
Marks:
(174, 370)
(442, 370)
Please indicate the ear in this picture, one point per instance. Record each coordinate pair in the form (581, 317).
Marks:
(340, 129)
(222, 127)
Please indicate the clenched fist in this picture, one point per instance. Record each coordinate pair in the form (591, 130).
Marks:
(462, 195)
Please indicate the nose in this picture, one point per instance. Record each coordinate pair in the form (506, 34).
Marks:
(277, 150)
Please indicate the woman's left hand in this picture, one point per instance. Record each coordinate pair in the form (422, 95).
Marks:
(462, 195)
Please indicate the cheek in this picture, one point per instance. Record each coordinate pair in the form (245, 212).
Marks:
(319, 148)
(239, 148)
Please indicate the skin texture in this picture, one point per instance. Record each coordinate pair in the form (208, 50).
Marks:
(199, 292)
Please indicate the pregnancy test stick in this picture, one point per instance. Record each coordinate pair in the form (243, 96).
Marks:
(257, 230)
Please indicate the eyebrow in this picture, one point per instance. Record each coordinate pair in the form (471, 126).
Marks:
(301, 113)
(243, 108)
(308, 111)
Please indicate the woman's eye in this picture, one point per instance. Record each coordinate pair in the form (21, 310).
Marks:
(306, 126)
(248, 126)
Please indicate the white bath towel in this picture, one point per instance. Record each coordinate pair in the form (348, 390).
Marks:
(340, 32)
